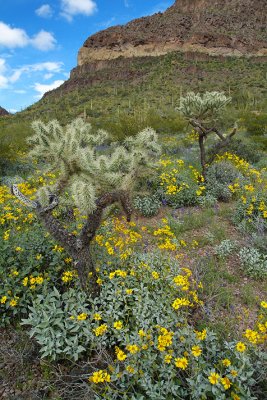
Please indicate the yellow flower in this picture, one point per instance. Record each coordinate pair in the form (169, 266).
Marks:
(226, 362)
(121, 356)
(241, 347)
(129, 291)
(100, 330)
(181, 363)
(214, 378)
(99, 281)
(264, 304)
(180, 302)
(13, 302)
(39, 256)
(118, 325)
(97, 317)
(233, 372)
(132, 348)
(168, 358)
(226, 382)
(130, 369)
(18, 249)
(81, 317)
(234, 396)
(201, 335)
(100, 376)
(196, 351)
(25, 281)
(3, 299)
(155, 275)
(39, 280)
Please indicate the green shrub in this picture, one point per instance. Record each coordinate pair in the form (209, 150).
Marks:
(219, 176)
(207, 201)
(225, 248)
(58, 324)
(253, 262)
(179, 185)
(148, 206)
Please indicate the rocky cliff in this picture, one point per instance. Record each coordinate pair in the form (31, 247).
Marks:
(215, 27)
(3, 112)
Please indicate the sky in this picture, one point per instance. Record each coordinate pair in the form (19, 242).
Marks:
(40, 39)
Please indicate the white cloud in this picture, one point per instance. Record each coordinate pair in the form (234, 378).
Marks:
(44, 41)
(16, 37)
(20, 91)
(42, 89)
(10, 76)
(12, 37)
(74, 7)
(3, 78)
(44, 11)
(126, 3)
(48, 76)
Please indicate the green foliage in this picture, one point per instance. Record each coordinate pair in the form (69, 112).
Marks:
(52, 325)
(207, 201)
(73, 152)
(253, 262)
(255, 123)
(219, 176)
(225, 248)
(179, 185)
(148, 206)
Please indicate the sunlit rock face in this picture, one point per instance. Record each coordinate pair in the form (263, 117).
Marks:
(215, 27)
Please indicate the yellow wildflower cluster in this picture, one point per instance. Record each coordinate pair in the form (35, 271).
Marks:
(100, 330)
(68, 276)
(165, 339)
(120, 237)
(118, 273)
(32, 281)
(100, 376)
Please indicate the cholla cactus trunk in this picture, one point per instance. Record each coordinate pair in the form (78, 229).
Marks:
(79, 248)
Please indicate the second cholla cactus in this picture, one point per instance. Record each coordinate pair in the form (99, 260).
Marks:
(203, 108)
(88, 163)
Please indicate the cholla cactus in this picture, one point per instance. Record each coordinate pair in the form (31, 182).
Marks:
(201, 111)
(94, 171)
(205, 107)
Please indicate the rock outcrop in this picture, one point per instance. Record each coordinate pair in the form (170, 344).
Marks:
(3, 112)
(214, 27)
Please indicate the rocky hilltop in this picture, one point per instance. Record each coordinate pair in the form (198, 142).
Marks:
(3, 112)
(214, 27)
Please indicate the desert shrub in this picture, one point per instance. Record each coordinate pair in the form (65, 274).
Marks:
(253, 262)
(225, 248)
(179, 185)
(207, 201)
(218, 178)
(251, 208)
(147, 333)
(245, 150)
(148, 206)
(255, 123)
(59, 332)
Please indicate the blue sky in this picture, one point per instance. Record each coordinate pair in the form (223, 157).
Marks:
(40, 39)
